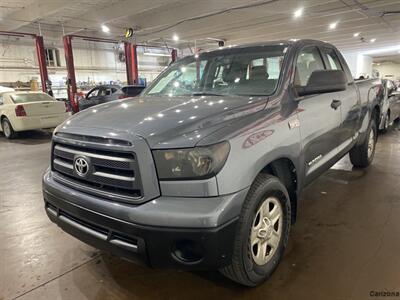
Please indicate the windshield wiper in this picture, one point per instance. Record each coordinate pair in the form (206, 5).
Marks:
(205, 94)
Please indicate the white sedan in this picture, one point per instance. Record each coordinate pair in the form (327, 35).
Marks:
(20, 111)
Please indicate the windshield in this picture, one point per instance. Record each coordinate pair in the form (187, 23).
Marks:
(35, 97)
(252, 71)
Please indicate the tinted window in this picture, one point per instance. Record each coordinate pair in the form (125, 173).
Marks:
(132, 90)
(308, 61)
(34, 97)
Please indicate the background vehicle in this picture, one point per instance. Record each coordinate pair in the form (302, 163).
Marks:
(204, 172)
(20, 111)
(390, 105)
(105, 93)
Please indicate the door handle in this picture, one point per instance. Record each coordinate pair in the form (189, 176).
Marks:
(335, 104)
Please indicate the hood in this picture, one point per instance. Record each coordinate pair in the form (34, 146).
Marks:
(166, 121)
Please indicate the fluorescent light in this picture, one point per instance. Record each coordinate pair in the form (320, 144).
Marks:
(333, 25)
(298, 13)
(155, 54)
(175, 37)
(105, 28)
(372, 40)
(356, 34)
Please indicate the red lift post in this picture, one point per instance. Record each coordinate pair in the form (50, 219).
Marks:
(131, 61)
(40, 52)
(174, 55)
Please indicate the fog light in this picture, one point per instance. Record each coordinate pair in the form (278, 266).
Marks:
(187, 251)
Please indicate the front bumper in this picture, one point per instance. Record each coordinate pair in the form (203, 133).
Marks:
(162, 241)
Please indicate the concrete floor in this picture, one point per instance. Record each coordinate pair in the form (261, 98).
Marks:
(345, 244)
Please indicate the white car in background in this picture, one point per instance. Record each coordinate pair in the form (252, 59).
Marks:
(21, 111)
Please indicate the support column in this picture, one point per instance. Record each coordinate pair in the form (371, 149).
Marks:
(44, 76)
(131, 62)
(174, 55)
(71, 80)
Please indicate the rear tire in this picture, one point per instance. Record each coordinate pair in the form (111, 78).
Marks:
(262, 232)
(8, 130)
(361, 156)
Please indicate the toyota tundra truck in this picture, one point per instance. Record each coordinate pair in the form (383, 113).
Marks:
(205, 168)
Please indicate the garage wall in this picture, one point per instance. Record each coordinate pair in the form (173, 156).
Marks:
(359, 64)
(94, 63)
(388, 70)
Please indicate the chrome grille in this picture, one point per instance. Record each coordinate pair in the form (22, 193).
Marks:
(113, 174)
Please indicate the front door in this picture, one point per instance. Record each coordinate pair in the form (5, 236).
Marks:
(319, 122)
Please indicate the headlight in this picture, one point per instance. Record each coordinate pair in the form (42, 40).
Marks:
(191, 163)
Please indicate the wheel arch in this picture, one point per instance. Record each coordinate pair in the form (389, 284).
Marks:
(2, 117)
(285, 169)
(376, 113)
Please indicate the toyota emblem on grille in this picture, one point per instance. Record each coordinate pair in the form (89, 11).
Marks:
(81, 166)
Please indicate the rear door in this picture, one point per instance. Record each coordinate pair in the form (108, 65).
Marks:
(319, 122)
(350, 107)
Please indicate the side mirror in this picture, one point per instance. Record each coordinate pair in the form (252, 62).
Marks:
(324, 81)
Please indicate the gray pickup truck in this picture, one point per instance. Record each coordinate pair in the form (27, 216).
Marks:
(205, 168)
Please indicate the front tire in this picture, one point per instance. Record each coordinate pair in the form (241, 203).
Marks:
(8, 130)
(262, 233)
(361, 156)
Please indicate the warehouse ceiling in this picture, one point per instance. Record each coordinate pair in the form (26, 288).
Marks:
(376, 23)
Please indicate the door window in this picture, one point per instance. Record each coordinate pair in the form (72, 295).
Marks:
(308, 61)
(93, 93)
(333, 62)
(105, 92)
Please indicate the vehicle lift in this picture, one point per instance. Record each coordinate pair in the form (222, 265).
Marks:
(131, 62)
(40, 52)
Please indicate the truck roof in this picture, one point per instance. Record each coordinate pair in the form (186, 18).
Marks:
(270, 43)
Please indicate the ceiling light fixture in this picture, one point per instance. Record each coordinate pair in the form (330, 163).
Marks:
(156, 54)
(372, 40)
(356, 34)
(298, 13)
(333, 25)
(105, 28)
(175, 37)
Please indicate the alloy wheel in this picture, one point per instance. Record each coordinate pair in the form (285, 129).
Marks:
(371, 143)
(6, 129)
(266, 231)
